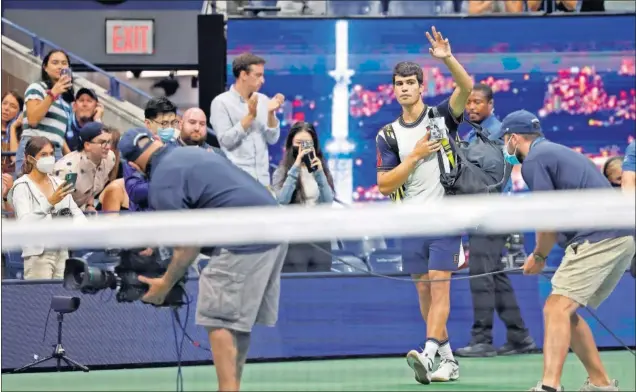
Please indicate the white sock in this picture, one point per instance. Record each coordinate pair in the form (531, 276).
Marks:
(431, 347)
(445, 351)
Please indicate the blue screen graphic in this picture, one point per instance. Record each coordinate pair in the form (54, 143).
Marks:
(576, 72)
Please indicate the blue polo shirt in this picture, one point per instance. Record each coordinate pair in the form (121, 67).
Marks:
(551, 166)
(192, 178)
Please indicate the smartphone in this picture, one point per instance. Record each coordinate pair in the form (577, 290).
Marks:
(67, 72)
(310, 156)
(436, 134)
(70, 178)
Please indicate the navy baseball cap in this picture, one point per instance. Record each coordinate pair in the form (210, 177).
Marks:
(89, 132)
(88, 91)
(522, 122)
(128, 143)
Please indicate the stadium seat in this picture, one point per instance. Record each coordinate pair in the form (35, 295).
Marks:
(393, 243)
(353, 8)
(14, 265)
(363, 248)
(420, 8)
(348, 263)
(385, 261)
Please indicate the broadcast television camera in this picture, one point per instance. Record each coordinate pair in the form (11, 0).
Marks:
(79, 275)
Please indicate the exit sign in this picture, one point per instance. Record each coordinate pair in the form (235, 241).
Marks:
(130, 36)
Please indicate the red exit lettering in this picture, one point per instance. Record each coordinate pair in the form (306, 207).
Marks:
(130, 39)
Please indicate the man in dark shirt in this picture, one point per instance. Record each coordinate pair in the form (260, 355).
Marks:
(594, 261)
(241, 284)
(491, 292)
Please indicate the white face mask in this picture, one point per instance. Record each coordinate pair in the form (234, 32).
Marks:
(46, 164)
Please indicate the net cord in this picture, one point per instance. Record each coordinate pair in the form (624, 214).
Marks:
(549, 211)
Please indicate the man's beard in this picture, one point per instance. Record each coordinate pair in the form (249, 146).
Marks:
(190, 142)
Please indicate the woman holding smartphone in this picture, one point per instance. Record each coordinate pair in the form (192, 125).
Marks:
(303, 178)
(47, 106)
(37, 195)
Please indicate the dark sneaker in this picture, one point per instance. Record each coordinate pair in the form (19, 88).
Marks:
(478, 350)
(539, 388)
(526, 347)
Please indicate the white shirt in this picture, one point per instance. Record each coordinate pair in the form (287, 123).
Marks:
(246, 148)
(30, 204)
(423, 184)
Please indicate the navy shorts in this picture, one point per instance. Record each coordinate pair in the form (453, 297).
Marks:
(421, 254)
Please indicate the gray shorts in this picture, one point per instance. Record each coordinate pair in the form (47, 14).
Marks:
(237, 291)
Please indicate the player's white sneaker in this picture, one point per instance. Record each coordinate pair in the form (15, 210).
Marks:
(421, 365)
(447, 371)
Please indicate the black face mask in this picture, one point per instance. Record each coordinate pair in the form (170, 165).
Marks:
(615, 185)
(295, 151)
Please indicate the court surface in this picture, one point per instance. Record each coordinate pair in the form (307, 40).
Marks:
(515, 373)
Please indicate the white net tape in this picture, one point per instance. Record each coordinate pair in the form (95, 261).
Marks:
(552, 211)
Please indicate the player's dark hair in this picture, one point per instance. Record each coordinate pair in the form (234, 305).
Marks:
(244, 62)
(485, 89)
(408, 68)
(288, 159)
(159, 106)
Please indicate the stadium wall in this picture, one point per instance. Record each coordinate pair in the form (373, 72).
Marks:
(320, 316)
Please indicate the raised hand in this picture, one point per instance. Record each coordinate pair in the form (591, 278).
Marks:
(276, 102)
(440, 47)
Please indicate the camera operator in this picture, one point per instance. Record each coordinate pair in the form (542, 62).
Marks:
(241, 284)
(38, 195)
(303, 178)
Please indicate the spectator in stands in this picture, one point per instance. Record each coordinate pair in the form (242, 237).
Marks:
(160, 119)
(86, 108)
(93, 164)
(613, 171)
(550, 6)
(293, 183)
(12, 105)
(38, 195)
(48, 106)
(194, 131)
(494, 6)
(7, 183)
(245, 120)
(628, 178)
(114, 197)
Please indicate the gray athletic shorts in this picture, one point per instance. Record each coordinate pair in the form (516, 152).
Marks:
(238, 290)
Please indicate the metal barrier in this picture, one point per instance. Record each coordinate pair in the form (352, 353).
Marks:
(39, 50)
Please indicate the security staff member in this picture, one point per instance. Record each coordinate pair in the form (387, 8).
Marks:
(492, 292)
(241, 284)
(594, 261)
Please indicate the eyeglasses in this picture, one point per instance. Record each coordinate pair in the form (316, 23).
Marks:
(165, 124)
(104, 144)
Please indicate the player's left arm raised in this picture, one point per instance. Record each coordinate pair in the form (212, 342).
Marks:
(440, 49)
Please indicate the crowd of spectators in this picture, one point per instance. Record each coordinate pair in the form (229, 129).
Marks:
(58, 138)
(66, 163)
(412, 8)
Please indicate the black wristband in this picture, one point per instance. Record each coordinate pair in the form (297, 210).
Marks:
(539, 258)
